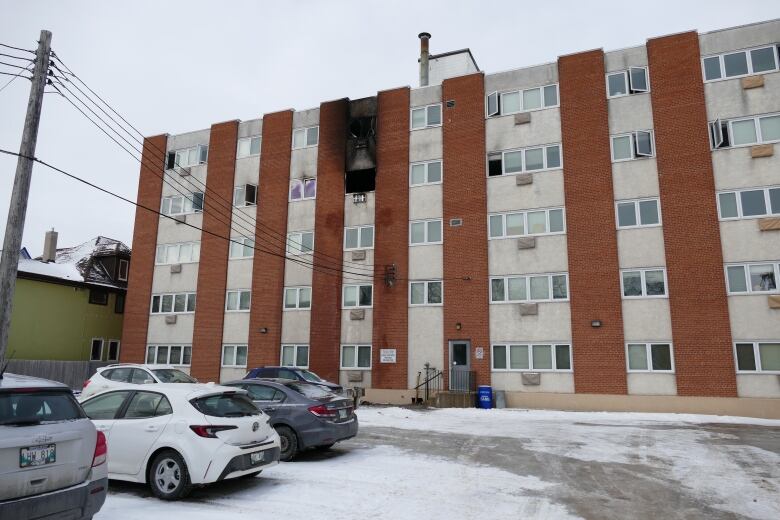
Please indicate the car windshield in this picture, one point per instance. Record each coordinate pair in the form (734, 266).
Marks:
(21, 408)
(225, 405)
(310, 391)
(172, 375)
(310, 376)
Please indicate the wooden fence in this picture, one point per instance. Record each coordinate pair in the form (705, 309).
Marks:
(72, 373)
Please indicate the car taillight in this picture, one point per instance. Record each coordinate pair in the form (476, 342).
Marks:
(322, 411)
(210, 431)
(85, 383)
(101, 450)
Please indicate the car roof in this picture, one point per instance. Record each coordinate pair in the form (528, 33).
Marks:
(21, 381)
(178, 390)
(280, 381)
(137, 365)
(294, 369)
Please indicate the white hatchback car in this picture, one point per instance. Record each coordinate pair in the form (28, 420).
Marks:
(175, 436)
(119, 375)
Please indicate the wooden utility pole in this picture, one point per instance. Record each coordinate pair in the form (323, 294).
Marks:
(17, 211)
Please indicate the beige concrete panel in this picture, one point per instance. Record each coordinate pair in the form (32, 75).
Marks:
(647, 319)
(426, 145)
(180, 333)
(546, 191)
(554, 382)
(296, 327)
(425, 202)
(758, 385)
(652, 384)
(426, 262)
(552, 323)
(752, 319)
(426, 340)
(743, 241)
(641, 247)
(635, 179)
(549, 256)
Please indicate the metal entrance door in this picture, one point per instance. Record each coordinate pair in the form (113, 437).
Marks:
(460, 365)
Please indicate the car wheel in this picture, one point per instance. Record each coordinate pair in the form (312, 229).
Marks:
(288, 441)
(169, 477)
(325, 447)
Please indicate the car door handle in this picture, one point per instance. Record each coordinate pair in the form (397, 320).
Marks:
(151, 428)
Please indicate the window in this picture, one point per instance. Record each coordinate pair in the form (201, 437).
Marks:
(306, 137)
(124, 268)
(295, 356)
(300, 243)
(426, 293)
(355, 357)
(187, 157)
(649, 357)
(761, 356)
(234, 355)
(119, 303)
(514, 101)
(98, 296)
(357, 296)
(181, 253)
(248, 146)
(740, 63)
(643, 283)
(425, 173)
(96, 350)
(529, 288)
(113, 350)
(626, 147)
(238, 300)
(625, 82)
(176, 303)
(242, 247)
(297, 298)
(178, 355)
(537, 222)
(745, 131)
(539, 358)
(182, 204)
(425, 117)
(752, 278)
(303, 189)
(749, 203)
(423, 232)
(105, 406)
(518, 161)
(245, 195)
(359, 237)
(637, 213)
(147, 404)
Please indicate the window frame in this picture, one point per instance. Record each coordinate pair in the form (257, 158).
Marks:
(188, 294)
(643, 273)
(305, 131)
(499, 94)
(426, 164)
(126, 263)
(302, 182)
(425, 241)
(194, 246)
(756, 357)
(630, 90)
(199, 153)
(425, 108)
(530, 345)
(740, 212)
(235, 347)
(649, 358)
(246, 203)
(637, 213)
(102, 347)
(357, 300)
(717, 126)
(299, 251)
(245, 242)
(94, 292)
(186, 200)
(360, 237)
(634, 151)
(239, 292)
(527, 277)
(525, 213)
(426, 303)
(357, 348)
(118, 344)
(524, 168)
(249, 139)
(295, 347)
(297, 290)
(183, 347)
(749, 59)
(746, 270)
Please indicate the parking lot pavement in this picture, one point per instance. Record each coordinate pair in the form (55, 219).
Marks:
(454, 464)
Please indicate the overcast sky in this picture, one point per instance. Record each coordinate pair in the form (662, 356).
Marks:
(176, 66)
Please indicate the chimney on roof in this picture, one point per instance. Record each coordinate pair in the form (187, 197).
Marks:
(50, 246)
(424, 37)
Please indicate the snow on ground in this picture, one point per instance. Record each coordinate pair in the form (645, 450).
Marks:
(377, 483)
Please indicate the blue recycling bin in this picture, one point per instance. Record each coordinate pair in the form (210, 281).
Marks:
(485, 397)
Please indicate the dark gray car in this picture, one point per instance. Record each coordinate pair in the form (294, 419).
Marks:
(304, 414)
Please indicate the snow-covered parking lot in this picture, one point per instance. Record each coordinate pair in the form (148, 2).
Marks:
(463, 463)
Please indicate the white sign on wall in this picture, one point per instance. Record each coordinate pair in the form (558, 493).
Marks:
(479, 353)
(387, 355)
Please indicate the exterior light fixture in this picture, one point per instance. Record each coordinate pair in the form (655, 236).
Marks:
(458, 326)
(264, 330)
(595, 324)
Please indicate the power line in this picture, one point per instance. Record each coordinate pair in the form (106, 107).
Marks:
(16, 48)
(16, 57)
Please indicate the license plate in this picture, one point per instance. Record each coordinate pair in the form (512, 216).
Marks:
(256, 457)
(343, 413)
(37, 455)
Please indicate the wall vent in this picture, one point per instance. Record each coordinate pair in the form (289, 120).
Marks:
(450, 103)
(455, 222)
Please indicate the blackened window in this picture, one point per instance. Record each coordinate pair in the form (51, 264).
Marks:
(98, 296)
(119, 304)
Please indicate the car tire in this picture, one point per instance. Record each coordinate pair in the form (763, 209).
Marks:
(169, 477)
(289, 443)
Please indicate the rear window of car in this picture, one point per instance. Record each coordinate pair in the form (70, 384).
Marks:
(225, 405)
(116, 374)
(19, 408)
(310, 376)
(171, 375)
(310, 391)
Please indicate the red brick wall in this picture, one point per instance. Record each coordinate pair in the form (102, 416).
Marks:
(268, 270)
(325, 332)
(594, 274)
(701, 332)
(391, 238)
(139, 288)
(212, 270)
(465, 196)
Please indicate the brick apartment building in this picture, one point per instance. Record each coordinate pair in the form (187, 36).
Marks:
(599, 232)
